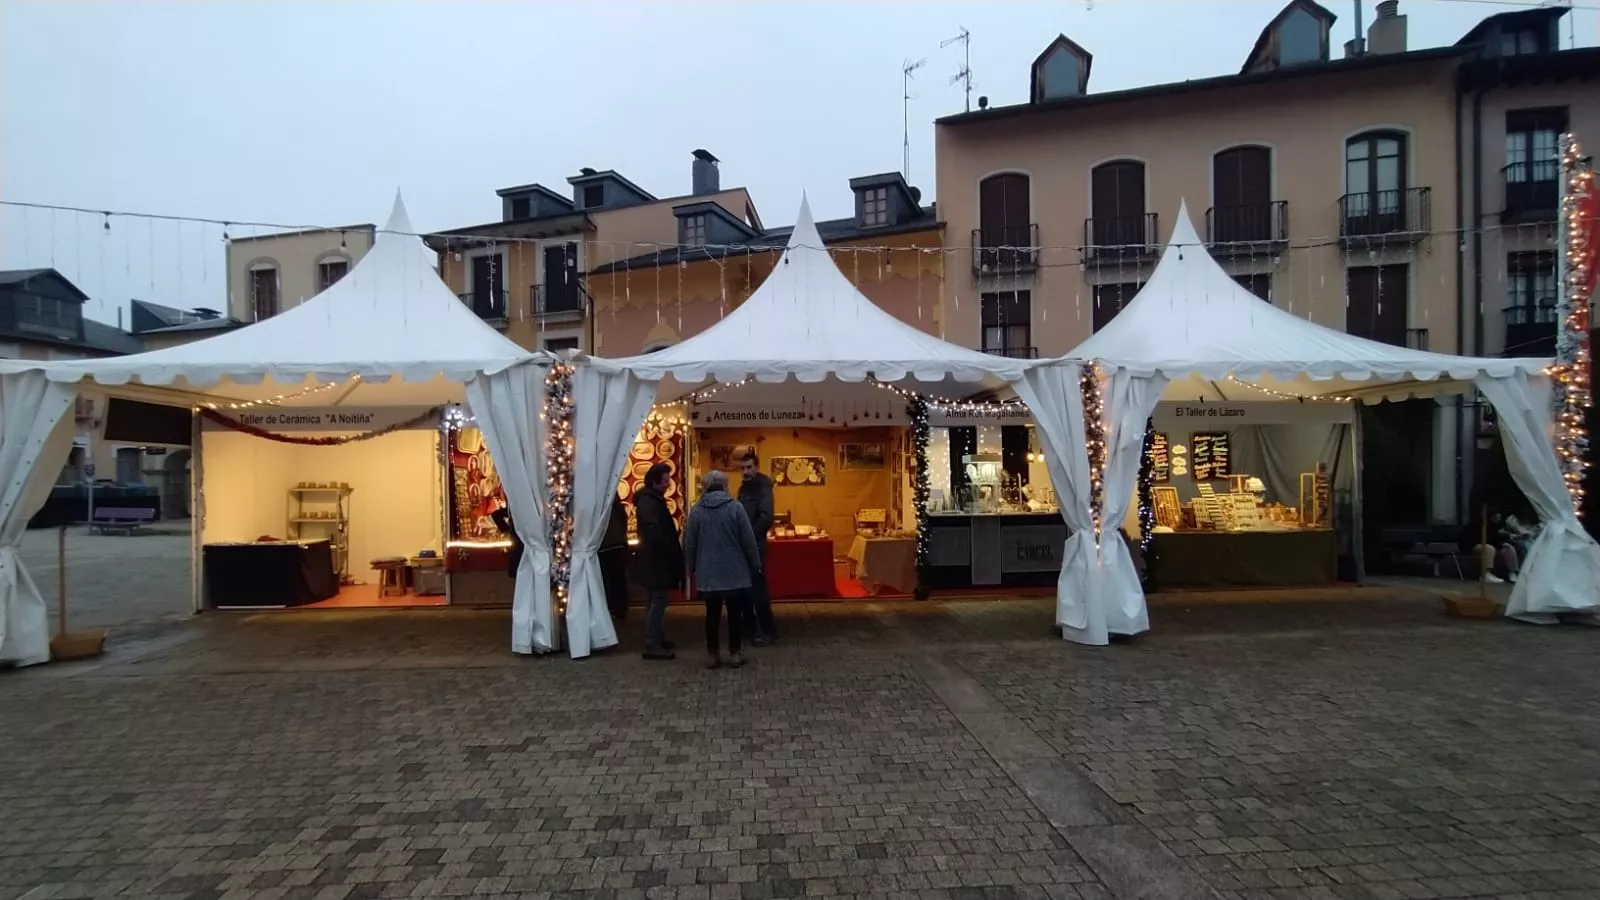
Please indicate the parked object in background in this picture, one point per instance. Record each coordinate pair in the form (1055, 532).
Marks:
(120, 520)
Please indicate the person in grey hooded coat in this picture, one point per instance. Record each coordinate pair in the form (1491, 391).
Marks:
(723, 562)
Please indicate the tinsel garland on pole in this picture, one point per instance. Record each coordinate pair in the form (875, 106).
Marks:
(1578, 256)
(917, 412)
(236, 425)
(1094, 433)
(558, 412)
(1147, 480)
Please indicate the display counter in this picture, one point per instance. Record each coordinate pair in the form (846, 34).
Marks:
(800, 567)
(1004, 550)
(1290, 558)
(268, 574)
(887, 562)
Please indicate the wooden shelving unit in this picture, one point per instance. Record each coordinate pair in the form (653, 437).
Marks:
(323, 512)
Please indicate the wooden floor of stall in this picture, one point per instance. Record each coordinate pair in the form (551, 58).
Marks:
(365, 596)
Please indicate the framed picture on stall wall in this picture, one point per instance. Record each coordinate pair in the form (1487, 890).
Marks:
(798, 471)
(861, 456)
(727, 457)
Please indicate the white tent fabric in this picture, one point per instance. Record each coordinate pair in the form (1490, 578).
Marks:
(1562, 571)
(389, 316)
(808, 321)
(613, 406)
(35, 426)
(509, 407)
(1212, 338)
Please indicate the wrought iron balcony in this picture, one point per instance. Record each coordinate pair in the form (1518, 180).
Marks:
(1532, 191)
(1014, 352)
(1121, 237)
(1247, 229)
(1378, 217)
(1007, 250)
(1530, 330)
(559, 301)
(490, 305)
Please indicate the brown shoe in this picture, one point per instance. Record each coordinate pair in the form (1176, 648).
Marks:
(714, 661)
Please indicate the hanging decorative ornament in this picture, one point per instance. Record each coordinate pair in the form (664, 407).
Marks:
(917, 412)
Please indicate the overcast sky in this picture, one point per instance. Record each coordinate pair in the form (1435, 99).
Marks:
(314, 112)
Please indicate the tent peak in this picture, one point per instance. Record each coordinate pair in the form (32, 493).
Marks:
(399, 222)
(1183, 233)
(805, 228)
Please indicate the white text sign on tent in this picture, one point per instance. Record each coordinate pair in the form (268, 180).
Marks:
(280, 418)
(1227, 414)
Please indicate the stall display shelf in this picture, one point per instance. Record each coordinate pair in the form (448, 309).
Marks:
(336, 520)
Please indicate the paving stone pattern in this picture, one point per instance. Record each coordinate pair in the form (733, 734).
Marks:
(1315, 747)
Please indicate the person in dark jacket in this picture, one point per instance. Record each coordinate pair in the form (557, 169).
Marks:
(614, 560)
(658, 565)
(723, 561)
(755, 495)
(502, 521)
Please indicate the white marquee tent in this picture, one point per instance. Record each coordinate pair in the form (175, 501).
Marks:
(806, 321)
(1193, 333)
(389, 333)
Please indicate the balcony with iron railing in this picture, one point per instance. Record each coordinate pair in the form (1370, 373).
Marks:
(559, 301)
(1247, 229)
(1014, 352)
(490, 305)
(1532, 191)
(1005, 250)
(1371, 218)
(1530, 329)
(1121, 238)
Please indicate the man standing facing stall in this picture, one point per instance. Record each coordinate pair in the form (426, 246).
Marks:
(755, 495)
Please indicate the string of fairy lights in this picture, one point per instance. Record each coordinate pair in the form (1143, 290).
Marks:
(1579, 245)
(560, 454)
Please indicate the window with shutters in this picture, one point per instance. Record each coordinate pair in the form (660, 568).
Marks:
(1242, 210)
(1259, 283)
(1117, 206)
(1109, 299)
(1004, 240)
(1007, 323)
(1377, 302)
(1375, 183)
(264, 302)
(1533, 166)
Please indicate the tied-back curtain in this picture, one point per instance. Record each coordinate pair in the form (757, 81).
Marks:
(611, 407)
(1052, 393)
(36, 426)
(508, 407)
(1562, 571)
(1129, 402)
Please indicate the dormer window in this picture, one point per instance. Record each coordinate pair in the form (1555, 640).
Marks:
(1061, 71)
(1522, 42)
(594, 195)
(521, 207)
(692, 231)
(875, 206)
(1299, 38)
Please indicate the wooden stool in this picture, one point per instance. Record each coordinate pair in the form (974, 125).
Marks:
(391, 576)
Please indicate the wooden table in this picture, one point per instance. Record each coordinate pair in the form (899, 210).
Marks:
(800, 567)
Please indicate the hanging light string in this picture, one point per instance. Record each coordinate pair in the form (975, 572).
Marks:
(559, 453)
(322, 388)
(673, 253)
(1290, 395)
(1094, 433)
(1578, 240)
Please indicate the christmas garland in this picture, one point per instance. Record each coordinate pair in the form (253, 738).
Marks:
(1094, 432)
(917, 411)
(253, 431)
(559, 447)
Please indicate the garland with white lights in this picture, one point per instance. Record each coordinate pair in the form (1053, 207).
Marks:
(917, 412)
(1094, 433)
(1147, 497)
(558, 412)
(1580, 253)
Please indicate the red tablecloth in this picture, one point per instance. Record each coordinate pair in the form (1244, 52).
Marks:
(800, 567)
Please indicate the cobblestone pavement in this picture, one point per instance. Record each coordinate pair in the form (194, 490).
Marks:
(1329, 744)
(135, 584)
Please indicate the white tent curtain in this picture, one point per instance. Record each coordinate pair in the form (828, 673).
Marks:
(1052, 393)
(611, 407)
(1563, 565)
(1129, 401)
(508, 407)
(36, 429)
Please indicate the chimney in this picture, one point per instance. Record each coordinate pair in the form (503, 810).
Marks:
(1351, 50)
(705, 177)
(1388, 31)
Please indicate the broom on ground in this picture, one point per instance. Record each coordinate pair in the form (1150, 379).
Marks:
(70, 644)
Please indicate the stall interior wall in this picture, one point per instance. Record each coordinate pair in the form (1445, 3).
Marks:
(394, 505)
(834, 504)
(1275, 453)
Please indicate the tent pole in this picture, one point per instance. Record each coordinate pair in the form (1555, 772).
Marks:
(197, 515)
(61, 581)
(1358, 550)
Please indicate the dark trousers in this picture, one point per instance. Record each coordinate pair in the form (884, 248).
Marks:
(614, 574)
(760, 620)
(715, 601)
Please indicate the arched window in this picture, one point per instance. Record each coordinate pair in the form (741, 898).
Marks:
(1005, 224)
(1374, 183)
(1116, 204)
(1241, 192)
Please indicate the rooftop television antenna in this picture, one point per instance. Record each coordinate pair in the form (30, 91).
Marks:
(965, 73)
(905, 113)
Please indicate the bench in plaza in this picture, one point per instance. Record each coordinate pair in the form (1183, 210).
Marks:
(120, 520)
